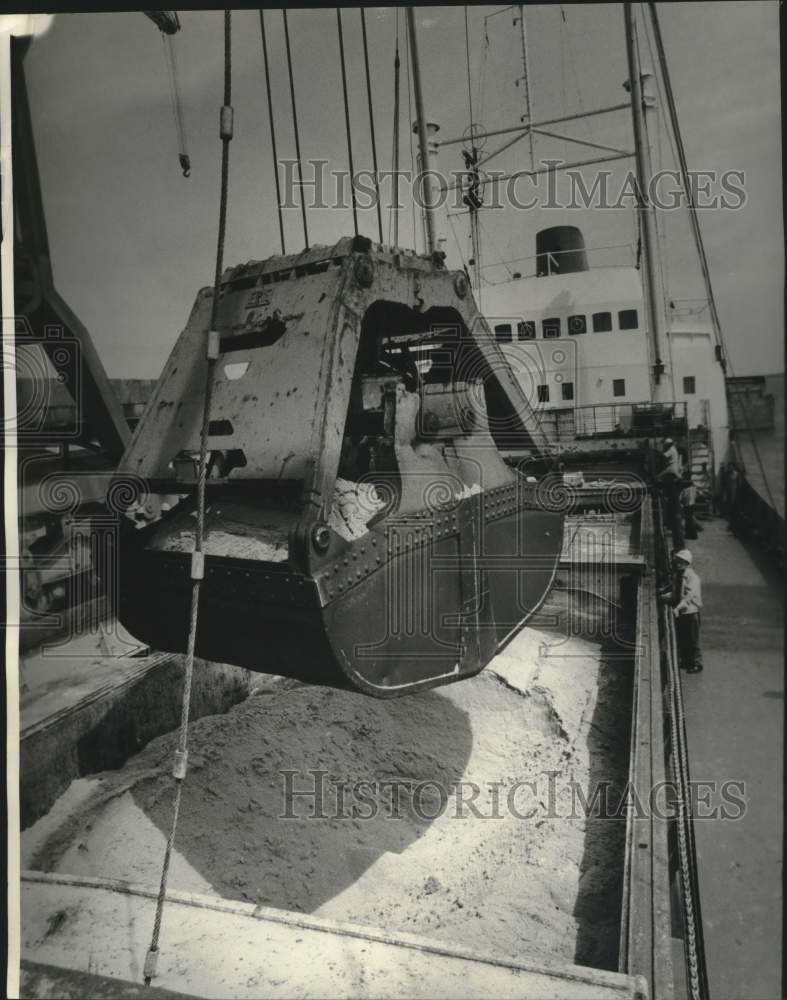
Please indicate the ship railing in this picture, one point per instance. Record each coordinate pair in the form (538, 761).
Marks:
(601, 420)
(689, 309)
(548, 264)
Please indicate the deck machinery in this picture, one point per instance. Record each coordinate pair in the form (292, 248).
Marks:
(361, 526)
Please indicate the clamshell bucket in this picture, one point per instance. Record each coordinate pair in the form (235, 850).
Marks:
(361, 526)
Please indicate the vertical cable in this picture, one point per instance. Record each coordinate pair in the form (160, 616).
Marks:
(410, 131)
(526, 83)
(394, 214)
(695, 226)
(472, 161)
(683, 165)
(467, 58)
(181, 754)
(177, 111)
(347, 120)
(273, 130)
(371, 125)
(295, 126)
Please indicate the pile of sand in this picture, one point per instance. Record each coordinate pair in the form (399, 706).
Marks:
(354, 505)
(226, 534)
(504, 884)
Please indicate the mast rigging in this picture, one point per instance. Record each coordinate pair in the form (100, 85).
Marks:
(426, 185)
(656, 325)
(295, 128)
(394, 213)
(168, 23)
(347, 121)
(272, 129)
(472, 198)
(525, 80)
(371, 125)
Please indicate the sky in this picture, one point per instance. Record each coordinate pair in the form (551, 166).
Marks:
(132, 241)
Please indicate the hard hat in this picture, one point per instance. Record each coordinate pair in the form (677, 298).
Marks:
(685, 555)
(667, 440)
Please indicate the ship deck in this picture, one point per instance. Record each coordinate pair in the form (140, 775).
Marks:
(734, 723)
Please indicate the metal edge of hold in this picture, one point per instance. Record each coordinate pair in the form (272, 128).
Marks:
(639, 704)
(664, 983)
(645, 920)
(43, 980)
(145, 665)
(625, 985)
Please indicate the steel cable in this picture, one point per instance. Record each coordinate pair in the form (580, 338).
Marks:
(174, 93)
(295, 127)
(272, 129)
(409, 129)
(695, 226)
(181, 754)
(393, 214)
(371, 124)
(347, 121)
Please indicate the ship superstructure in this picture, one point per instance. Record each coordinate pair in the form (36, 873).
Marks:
(576, 335)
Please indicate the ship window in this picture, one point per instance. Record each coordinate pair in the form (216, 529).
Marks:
(551, 328)
(628, 319)
(526, 330)
(577, 324)
(503, 333)
(689, 386)
(618, 387)
(543, 394)
(602, 322)
(568, 390)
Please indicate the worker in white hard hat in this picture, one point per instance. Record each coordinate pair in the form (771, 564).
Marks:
(685, 596)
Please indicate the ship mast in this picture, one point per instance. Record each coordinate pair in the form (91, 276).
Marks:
(525, 81)
(654, 301)
(423, 141)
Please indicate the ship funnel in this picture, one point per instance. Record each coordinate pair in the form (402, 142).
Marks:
(560, 250)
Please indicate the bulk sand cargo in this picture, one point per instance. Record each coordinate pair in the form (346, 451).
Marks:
(329, 844)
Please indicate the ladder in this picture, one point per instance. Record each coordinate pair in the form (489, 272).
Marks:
(701, 464)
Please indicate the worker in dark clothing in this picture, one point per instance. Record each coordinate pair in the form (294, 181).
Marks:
(668, 479)
(671, 468)
(685, 596)
(688, 501)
